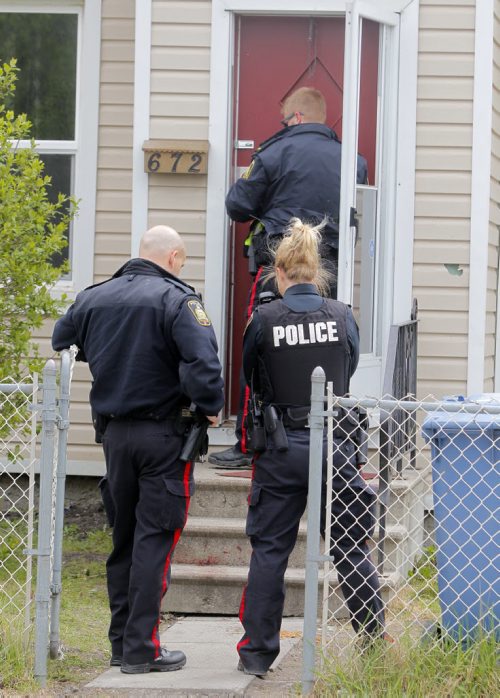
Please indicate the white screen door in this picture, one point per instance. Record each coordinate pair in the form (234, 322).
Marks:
(366, 249)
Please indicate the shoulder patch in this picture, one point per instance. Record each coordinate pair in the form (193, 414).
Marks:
(199, 313)
(246, 174)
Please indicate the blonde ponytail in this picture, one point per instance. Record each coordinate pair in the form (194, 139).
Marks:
(298, 255)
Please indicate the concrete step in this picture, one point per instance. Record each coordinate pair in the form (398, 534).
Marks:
(221, 541)
(226, 496)
(407, 497)
(219, 496)
(217, 590)
(211, 560)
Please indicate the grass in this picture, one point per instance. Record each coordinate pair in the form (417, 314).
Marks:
(84, 619)
(406, 670)
(16, 667)
(84, 616)
(412, 668)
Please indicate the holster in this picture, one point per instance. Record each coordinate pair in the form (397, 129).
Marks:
(260, 246)
(257, 440)
(274, 428)
(296, 417)
(107, 500)
(195, 445)
(252, 264)
(100, 423)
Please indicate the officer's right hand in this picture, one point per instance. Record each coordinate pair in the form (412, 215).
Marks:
(213, 420)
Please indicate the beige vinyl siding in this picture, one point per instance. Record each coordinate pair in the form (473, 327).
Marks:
(114, 166)
(114, 192)
(443, 182)
(180, 80)
(492, 301)
(113, 203)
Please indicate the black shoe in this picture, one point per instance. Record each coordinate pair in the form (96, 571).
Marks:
(231, 458)
(116, 660)
(167, 661)
(251, 672)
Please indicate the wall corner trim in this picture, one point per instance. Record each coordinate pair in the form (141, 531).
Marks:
(480, 193)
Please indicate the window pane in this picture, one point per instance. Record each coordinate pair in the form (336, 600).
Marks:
(60, 168)
(45, 46)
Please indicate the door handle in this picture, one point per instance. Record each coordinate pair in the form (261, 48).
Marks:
(353, 223)
(244, 145)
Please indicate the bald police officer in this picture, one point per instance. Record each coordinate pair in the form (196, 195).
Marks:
(151, 350)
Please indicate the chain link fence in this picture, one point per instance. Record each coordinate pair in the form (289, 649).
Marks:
(33, 435)
(17, 486)
(423, 495)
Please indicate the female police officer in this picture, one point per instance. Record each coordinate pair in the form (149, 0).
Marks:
(284, 341)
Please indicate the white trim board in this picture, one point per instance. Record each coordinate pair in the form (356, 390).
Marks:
(294, 7)
(496, 383)
(480, 194)
(87, 141)
(406, 165)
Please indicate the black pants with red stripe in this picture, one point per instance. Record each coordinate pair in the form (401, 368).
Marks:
(150, 490)
(277, 501)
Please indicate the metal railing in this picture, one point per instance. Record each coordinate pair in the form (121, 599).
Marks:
(22, 406)
(397, 432)
(439, 577)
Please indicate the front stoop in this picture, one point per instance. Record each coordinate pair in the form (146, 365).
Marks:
(210, 565)
(208, 589)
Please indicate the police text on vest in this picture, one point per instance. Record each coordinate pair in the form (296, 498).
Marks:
(309, 333)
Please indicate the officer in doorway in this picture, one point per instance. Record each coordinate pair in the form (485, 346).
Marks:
(284, 341)
(295, 173)
(152, 352)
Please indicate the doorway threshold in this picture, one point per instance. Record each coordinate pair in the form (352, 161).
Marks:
(222, 435)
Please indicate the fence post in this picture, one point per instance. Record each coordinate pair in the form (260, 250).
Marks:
(384, 476)
(63, 426)
(316, 424)
(44, 520)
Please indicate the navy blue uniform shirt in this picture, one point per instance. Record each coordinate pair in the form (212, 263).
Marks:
(295, 173)
(148, 342)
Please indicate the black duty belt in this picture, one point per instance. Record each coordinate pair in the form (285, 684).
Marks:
(142, 418)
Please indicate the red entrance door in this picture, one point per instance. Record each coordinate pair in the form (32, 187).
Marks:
(275, 56)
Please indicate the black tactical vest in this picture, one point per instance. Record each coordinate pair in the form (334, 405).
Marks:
(294, 343)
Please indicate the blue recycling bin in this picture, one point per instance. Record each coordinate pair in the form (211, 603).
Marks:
(465, 450)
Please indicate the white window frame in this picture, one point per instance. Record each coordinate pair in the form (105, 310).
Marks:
(84, 145)
(397, 296)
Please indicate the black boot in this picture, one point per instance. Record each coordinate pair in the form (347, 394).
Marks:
(231, 458)
(167, 661)
(251, 672)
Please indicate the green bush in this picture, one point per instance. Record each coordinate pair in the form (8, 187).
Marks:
(32, 232)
